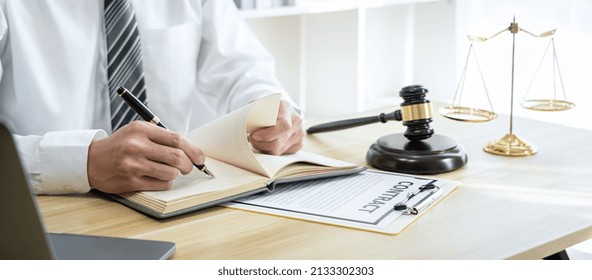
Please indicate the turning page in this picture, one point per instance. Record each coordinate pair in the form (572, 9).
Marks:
(226, 138)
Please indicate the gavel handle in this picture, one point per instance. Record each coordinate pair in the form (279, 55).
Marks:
(337, 125)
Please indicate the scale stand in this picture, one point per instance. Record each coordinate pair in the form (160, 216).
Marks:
(510, 144)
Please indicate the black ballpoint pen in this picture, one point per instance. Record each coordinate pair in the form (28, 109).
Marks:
(148, 116)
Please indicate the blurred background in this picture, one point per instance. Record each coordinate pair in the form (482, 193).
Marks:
(356, 55)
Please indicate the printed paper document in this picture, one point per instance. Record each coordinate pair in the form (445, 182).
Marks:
(365, 200)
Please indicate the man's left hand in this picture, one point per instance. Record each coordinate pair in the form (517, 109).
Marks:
(285, 137)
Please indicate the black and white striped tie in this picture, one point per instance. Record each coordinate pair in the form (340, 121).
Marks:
(124, 56)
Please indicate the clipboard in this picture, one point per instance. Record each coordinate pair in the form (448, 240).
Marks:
(397, 214)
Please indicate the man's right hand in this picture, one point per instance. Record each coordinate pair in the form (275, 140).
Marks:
(140, 156)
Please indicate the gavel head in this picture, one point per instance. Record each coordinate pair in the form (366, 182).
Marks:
(416, 113)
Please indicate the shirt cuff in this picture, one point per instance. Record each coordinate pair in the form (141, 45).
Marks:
(64, 156)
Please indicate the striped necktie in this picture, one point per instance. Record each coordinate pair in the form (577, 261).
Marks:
(124, 57)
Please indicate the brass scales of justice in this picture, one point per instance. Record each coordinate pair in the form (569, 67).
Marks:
(510, 144)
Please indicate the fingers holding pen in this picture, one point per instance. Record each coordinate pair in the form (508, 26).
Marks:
(169, 139)
(140, 156)
(175, 150)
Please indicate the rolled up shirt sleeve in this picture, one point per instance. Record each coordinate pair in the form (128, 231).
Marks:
(57, 161)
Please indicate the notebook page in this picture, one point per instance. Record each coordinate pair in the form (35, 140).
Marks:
(226, 138)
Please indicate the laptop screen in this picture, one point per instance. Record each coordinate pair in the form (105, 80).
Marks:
(22, 235)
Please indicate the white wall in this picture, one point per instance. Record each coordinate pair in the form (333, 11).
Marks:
(282, 37)
(316, 58)
(434, 61)
(331, 50)
(388, 54)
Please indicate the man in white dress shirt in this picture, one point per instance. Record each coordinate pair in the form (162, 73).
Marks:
(200, 61)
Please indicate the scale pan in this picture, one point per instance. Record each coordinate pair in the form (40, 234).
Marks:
(467, 114)
(548, 105)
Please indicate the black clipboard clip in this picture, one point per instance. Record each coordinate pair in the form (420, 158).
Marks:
(432, 193)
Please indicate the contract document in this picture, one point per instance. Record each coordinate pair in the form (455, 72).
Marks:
(364, 200)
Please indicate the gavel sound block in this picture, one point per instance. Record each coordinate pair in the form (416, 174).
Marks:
(416, 151)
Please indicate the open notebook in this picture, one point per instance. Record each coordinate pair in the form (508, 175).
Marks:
(240, 171)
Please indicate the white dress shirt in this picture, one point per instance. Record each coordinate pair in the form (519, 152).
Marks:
(200, 61)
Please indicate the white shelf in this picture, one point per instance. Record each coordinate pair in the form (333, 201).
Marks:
(272, 12)
(337, 57)
(304, 7)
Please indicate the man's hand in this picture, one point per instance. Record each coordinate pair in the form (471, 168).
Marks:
(140, 156)
(283, 138)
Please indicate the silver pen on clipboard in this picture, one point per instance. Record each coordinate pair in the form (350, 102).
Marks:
(434, 193)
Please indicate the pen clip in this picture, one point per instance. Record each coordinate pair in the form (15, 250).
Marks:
(432, 191)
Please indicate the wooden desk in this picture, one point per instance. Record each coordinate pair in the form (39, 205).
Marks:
(507, 208)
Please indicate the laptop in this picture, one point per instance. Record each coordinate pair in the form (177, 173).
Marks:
(23, 236)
